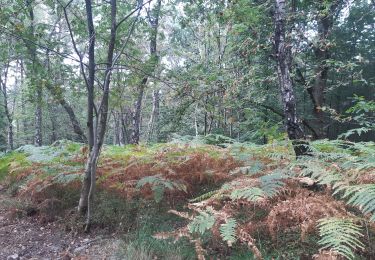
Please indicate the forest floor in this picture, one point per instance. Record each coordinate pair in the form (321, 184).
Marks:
(177, 201)
(27, 238)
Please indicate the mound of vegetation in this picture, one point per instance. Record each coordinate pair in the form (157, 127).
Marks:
(238, 202)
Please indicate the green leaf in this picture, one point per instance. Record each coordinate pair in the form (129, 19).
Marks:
(340, 235)
(201, 223)
(228, 231)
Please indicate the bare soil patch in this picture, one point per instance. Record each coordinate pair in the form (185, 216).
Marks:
(24, 237)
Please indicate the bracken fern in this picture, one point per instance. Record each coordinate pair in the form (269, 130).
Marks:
(340, 235)
(228, 231)
(202, 222)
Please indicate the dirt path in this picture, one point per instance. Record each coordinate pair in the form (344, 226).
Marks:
(26, 238)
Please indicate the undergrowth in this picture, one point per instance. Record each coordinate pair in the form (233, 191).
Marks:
(226, 201)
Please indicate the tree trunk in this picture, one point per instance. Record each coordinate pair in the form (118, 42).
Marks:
(101, 119)
(196, 120)
(153, 124)
(4, 90)
(83, 201)
(283, 57)
(38, 117)
(116, 128)
(137, 113)
(33, 74)
(52, 113)
(322, 55)
(124, 123)
(57, 95)
(23, 108)
(154, 59)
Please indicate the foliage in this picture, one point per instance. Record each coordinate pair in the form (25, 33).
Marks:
(159, 184)
(251, 194)
(340, 235)
(11, 160)
(264, 193)
(202, 222)
(361, 196)
(282, 193)
(209, 86)
(228, 231)
(362, 114)
(58, 150)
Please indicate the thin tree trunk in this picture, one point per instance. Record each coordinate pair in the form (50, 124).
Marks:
(322, 54)
(38, 141)
(33, 74)
(283, 56)
(196, 120)
(101, 124)
(23, 108)
(4, 90)
(52, 114)
(137, 113)
(153, 124)
(116, 129)
(83, 201)
(57, 95)
(154, 59)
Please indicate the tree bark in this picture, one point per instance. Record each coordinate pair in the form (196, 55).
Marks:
(52, 115)
(153, 124)
(23, 108)
(8, 113)
(125, 135)
(33, 72)
(322, 55)
(137, 113)
(57, 95)
(101, 119)
(154, 59)
(283, 58)
(83, 201)
(38, 141)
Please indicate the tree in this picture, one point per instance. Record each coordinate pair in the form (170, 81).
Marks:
(7, 106)
(100, 124)
(284, 60)
(153, 19)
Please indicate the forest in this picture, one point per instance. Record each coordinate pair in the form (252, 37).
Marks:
(187, 129)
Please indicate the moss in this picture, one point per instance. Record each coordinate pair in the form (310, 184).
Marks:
(14, 158)
(73, 147)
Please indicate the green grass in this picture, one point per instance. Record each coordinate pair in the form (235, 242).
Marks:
(150, 220)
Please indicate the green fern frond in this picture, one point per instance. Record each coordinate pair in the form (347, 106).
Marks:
(201, 223)
(272, 183)
(362, 196)
(228, 231)
(205, 196)
(317, 171)
(252, 168)
(251, 194)
(67, 178)
(159, 184)
(341, 235)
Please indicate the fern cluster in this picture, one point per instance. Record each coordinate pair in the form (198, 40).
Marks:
(158, 185)
(334, 164)
(204, 221)
(228, 231)
(340, 235)
(362, 196)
